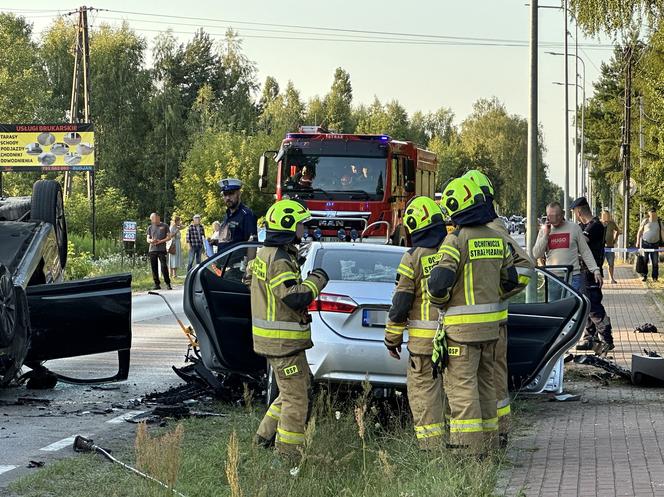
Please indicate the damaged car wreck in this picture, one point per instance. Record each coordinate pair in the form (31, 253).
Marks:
(42, 317)
(348, 321)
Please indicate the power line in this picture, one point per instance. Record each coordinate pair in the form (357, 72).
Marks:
(342, 30)
(335, 37)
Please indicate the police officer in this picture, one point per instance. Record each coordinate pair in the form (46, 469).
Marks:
(281, 323)
(474, 270)
(524, 266)
(411, 309)
(240, 223)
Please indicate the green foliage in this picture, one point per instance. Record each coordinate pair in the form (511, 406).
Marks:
(616, 16)
(214, 156)
(338, 103)
(24, 92)
(112, 209)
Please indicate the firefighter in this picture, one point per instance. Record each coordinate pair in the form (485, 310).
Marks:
(412, 310)
(281, 324)
(475, 269)
(524, 266)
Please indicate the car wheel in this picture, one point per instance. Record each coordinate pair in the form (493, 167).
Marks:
(48, 206)
(13, 355)
(8, 308)
(271, 390)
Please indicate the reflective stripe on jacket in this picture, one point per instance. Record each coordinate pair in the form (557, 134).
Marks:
(522, 262)
(475, 270)
(279, 301)
(411, 307)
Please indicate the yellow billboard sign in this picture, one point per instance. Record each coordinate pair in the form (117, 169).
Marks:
(47, 147)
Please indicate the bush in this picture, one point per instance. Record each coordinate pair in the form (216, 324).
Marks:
(111, 209)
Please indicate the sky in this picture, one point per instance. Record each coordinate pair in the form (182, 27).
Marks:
(421, 76)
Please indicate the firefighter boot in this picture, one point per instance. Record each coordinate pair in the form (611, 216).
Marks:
(425, 396)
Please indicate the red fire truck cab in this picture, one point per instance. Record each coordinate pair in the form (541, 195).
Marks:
(356, 186)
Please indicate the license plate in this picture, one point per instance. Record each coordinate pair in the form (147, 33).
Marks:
(374, 318)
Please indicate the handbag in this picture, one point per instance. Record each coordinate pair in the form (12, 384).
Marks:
(641, 266)
(172, 249)
(208, 248)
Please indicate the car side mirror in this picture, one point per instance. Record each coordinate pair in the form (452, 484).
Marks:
(262, 172)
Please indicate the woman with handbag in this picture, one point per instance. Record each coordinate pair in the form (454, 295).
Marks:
(175, 247)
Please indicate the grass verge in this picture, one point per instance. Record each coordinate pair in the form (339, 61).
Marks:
(219, 459)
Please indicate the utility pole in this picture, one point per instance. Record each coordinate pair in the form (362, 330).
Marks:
(82, 75)
(531, 186)
(625, 148)
(576, 111)
(566, 185)
(642, 147)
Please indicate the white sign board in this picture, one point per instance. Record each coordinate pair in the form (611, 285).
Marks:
(129, 231)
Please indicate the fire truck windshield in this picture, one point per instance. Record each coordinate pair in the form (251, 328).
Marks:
(335, 177)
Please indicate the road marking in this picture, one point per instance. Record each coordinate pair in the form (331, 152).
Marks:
(8, 467)
(124, 417)
(60, 444)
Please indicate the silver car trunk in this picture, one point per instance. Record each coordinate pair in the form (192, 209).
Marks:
(367, 322)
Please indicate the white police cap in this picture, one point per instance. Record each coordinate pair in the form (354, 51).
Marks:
(230, 184)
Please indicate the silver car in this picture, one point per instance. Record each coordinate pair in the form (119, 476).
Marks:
(348, 318)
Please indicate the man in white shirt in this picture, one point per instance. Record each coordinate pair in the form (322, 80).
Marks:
(561, 243)
(650, 237)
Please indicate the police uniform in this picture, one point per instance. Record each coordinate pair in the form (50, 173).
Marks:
(281, 325)
(239, 225)
(411, 310)
(524, 267)
(475, 269)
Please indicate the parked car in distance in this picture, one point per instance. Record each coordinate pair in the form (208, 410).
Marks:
(348, 318)
(43, 317)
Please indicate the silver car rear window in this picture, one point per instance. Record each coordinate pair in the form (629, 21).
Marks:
(359, 265)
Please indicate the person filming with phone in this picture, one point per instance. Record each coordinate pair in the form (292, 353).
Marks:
(561, 243)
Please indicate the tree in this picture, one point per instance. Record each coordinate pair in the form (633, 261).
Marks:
(612, 16)
(237, 75)
(120, 87)
(24, 92)
(338, 103)
(214, 156)
(282, 114)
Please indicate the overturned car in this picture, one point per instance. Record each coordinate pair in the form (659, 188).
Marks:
(42, 317)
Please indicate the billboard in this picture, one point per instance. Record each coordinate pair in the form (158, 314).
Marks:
(47, 147)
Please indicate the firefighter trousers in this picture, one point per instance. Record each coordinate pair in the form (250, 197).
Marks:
(425, 396)
(471, 393)
(286, 417)
(501, 378)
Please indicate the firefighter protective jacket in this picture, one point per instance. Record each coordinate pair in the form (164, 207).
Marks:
(476, 269)
(522, 262)
(411, 307)
(279, 301)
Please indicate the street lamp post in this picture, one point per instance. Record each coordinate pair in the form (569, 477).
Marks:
(582, 162)
(566, 186)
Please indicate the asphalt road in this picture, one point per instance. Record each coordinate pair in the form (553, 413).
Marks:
(43, 427)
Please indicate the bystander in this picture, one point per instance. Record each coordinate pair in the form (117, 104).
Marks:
(195, 237)
(158, 236)
(650, 237)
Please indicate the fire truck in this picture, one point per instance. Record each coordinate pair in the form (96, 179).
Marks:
(356, 186)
